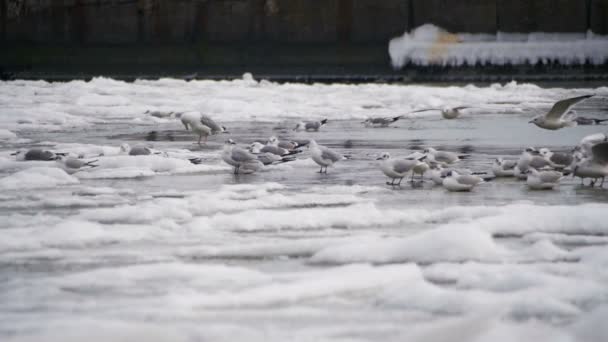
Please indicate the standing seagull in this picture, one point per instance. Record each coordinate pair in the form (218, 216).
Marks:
(310, 126)
(380, 122)
(241, 159)
(556, 117)
(201, 124)
(323, 156)
(395, 168)
(594, 167)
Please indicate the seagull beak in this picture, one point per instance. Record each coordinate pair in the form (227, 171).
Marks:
(379, 158)
(531, 121)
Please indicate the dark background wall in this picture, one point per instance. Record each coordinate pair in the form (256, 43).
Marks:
(110, 35)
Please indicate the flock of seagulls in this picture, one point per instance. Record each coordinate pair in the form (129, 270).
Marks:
(539, 168)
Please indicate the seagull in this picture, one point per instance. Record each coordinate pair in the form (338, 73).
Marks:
(137, 150)
(159, 113)
(446, 113)
(542, 180)
(242, 160)
(443, 157)
(35, 154)
(504, 168)
(286, 144)
(583, 121)
(556, 117)
(395, 168)
(529, 158)
(420, 169)
(456, 182)
(558, 160)
(270, 158)
(380, 122)
(258, 147)
(323, 156)
(72, 165)
(310, 125)
(589, 141)
(201, 124)
(595, 166)
(438, 172)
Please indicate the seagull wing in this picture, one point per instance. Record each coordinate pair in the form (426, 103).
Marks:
(561, 107)
(600, 153)
(207, 121)
(328, 154)
(402, 166)
(241, 156)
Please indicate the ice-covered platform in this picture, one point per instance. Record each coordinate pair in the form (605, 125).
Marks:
(430, 45)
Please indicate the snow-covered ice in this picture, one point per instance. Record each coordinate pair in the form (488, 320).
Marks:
(431, 45)
(157, 248)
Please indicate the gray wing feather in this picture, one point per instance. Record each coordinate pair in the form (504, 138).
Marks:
(600, 153)
(403, 165)
(329, 154)
(509, 164)
(241, 156)
(550, 176)
(561, 107)
(538, 162)
(312, 125)
(461, 107)
(468, 180)
(74, 163)
(273, 149)
(561, 158)
(207, 121)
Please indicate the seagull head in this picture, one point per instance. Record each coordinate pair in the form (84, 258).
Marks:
(230, 142)
(537, 120)
(273, 140)
(384, 156)
(125, 148)
(300, 126)
(544, 151)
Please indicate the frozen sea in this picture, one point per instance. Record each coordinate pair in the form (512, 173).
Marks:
(154, 248)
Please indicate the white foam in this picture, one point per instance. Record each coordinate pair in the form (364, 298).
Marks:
(37, 177)
(5, 134)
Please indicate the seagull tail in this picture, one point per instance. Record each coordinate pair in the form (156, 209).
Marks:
(90, 163)
(397, 118)
(464, 156)
(287, 159)
(599, 121)
(323, 122)
(292, 152)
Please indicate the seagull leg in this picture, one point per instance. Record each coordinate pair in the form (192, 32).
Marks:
(400, 179)
(321, 170)
(199, 139)
(602, 183)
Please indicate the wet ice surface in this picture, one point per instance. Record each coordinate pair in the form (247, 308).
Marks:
(155, 248)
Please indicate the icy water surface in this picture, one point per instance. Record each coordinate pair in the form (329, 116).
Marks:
(156, 248)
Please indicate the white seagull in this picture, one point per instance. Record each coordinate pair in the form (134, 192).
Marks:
(201, 124)
(556, 117)
(323, 156)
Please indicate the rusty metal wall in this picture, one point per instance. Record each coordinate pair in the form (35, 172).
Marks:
(282, 21)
